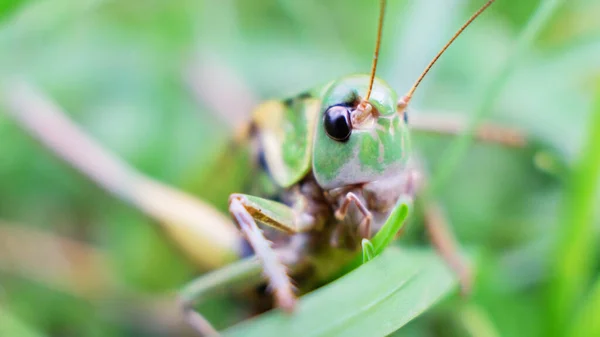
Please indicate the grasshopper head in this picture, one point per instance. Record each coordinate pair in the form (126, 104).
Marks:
(363, 139)
(355, 144)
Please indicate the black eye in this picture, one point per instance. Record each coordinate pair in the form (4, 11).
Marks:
(337, 123)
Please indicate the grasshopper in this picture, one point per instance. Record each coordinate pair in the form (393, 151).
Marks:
(339, 161)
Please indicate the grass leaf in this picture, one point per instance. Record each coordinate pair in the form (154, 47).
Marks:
(392, 226)
(586, 322)
(368, 250)
(574, 256)
(10, 325)
(374, 300)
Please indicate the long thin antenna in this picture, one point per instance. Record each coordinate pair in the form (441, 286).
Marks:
(404, 101)
(377, 46)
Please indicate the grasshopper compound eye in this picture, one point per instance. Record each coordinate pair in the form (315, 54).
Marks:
(337, 123)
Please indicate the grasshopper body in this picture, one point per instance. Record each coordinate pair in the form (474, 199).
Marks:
(337, 170)
(335, 191)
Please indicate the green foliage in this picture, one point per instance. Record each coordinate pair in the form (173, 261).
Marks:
(574, 257)
(387, 233)
(391, 228)
(586, 320)
(119, 68)
(12, 326)
(374, 300)
(368, 251)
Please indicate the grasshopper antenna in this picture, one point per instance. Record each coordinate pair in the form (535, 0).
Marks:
(406, 99)
(377, 47)
(364, 107)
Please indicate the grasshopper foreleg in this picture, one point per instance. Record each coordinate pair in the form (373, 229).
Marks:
(274, 270)
(364, 229)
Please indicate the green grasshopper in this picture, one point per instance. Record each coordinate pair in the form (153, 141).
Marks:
(338, 157)
(338, 165)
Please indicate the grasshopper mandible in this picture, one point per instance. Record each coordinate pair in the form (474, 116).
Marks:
(339, 158)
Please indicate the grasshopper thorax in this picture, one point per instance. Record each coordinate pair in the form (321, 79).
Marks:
(351, 146)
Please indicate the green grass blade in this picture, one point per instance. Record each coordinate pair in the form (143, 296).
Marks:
(573, 259)
(385, 235)
(368, 250)
(12, 326)
(586, 322)
(392, 225)
(459, 147)
(374, 300)
(477, 322)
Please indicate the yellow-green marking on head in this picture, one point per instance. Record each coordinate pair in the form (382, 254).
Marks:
(287, 134)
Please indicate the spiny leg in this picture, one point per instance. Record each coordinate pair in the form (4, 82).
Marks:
(452, 125)
(445, 243)
(274, 270)
(437, 225)
(246, 209)
(364, 229)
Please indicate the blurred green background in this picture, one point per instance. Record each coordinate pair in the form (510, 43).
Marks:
(121, 69)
